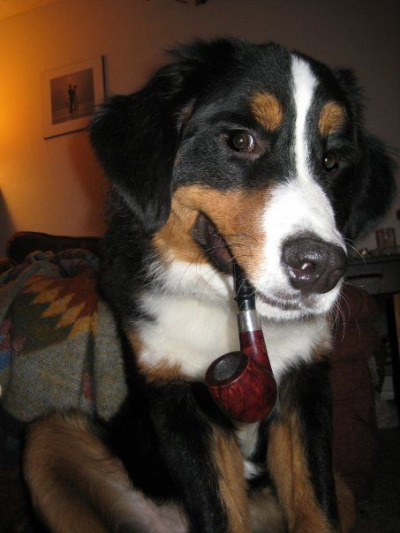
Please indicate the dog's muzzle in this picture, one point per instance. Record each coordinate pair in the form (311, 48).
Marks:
(313, 266)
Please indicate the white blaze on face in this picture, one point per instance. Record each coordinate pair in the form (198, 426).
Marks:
(313, 206)
(300, 204)
(297, 206)
(304, 84)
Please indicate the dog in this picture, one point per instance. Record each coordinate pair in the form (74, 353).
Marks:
(240, 152)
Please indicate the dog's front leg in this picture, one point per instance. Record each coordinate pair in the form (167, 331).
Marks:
(299, 454)
(203, 459)
(79, 486)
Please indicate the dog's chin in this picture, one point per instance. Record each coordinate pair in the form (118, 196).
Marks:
(279, 307)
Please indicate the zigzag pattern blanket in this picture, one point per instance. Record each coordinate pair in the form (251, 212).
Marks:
(59, 348)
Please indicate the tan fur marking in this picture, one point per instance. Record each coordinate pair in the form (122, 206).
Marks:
(163, 372)
(332, 117)
(346, 505)
(79, 487)
(135, 342)
(174, 237)
(56, 467)
(268, 110)
(237, 215)
(289, 468)
(232, 484)
(321, 353)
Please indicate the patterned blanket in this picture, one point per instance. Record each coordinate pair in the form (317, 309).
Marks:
(59, 348)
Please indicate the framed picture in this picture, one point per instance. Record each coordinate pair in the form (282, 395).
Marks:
(70, 95)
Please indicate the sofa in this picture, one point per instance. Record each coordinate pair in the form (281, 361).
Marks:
(59, 347)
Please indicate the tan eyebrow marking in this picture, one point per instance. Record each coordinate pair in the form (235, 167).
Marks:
(332, 117)
(268, 110)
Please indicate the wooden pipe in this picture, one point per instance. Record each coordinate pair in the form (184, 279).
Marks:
(242, 383)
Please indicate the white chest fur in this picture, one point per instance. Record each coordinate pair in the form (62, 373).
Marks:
(193, 333)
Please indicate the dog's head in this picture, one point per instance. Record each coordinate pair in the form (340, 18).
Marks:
(252, 152)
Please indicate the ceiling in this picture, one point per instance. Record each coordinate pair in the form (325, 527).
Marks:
(9, 8)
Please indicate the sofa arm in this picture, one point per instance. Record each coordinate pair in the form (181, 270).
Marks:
(5, 264)
(355, 436)
(23, 243)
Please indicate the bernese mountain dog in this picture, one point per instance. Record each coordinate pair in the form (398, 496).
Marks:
(241, 153)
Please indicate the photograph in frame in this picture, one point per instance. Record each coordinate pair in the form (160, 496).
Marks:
(71, 95)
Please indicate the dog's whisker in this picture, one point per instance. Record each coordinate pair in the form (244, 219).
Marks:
(357, 253)
(339, 314)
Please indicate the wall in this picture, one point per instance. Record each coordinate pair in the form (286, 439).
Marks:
(56, 185)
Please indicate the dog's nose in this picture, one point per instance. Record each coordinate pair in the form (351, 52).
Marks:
(312, 265)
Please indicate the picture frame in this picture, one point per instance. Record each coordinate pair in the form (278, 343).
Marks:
(70, 96)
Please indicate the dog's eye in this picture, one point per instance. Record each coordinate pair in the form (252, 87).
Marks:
(330, 162)
(241, 141)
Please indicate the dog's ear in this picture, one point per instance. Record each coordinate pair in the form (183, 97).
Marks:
(374, 187)
(135, 138)
(373, 183)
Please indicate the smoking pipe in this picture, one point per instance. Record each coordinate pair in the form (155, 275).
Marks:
(242, 383)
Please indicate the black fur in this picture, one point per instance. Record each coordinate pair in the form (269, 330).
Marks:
(154, 442)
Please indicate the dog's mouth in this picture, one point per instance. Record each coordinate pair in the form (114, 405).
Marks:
(285, 304)
(218, 252)
(214, 246)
